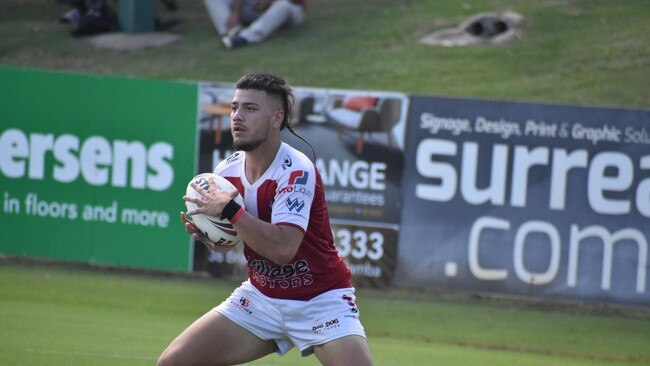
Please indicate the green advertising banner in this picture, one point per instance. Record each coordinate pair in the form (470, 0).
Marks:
(93, 168)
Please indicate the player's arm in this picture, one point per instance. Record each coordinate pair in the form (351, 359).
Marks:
(280, 239)
(278, 243)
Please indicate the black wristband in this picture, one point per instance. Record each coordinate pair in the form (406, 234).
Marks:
(230, 209)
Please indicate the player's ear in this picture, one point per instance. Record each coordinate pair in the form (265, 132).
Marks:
(278, 117)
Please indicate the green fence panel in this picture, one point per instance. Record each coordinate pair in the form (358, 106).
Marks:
(93, 168)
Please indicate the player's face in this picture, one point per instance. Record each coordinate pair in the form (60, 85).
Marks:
(254, 114)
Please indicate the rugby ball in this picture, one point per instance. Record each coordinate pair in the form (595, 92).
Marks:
(219, 231)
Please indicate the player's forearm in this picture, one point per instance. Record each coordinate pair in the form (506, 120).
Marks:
(275, 242)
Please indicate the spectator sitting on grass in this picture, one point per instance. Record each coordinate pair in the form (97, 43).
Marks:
(240, 22)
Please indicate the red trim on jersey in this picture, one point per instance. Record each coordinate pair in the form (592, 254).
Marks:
(264, 205)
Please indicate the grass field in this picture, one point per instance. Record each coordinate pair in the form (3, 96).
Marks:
(52, 315)
(590, 52)
(593, 52)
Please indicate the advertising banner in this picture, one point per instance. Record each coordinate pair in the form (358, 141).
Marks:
(546, 201)
(516, 198)
(93, 168)
(358, 138)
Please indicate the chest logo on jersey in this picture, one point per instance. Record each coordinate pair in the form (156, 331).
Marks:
(289, 275)
(284, 271)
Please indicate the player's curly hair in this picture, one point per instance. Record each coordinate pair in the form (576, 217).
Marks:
(278, 88)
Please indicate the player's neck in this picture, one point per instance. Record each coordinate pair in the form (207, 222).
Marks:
(260, 159)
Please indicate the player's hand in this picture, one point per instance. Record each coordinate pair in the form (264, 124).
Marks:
(199, 236)
(210, 202)
(191, 228)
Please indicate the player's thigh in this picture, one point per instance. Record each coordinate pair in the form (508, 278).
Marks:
(214, 339)
(348, 350)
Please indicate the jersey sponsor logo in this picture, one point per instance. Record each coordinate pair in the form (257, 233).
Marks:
(290, 189)
(295, 204)
(242, 305)
(297, 180)
(286, 162)
(351, 304)
(244, 302)
(283, 271)
(233, 157)
(330, 324)
(289, 275)
(298, 177)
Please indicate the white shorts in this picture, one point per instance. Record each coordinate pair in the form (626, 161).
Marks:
(304, 324)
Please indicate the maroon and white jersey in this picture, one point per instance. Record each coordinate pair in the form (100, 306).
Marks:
(290, 193)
